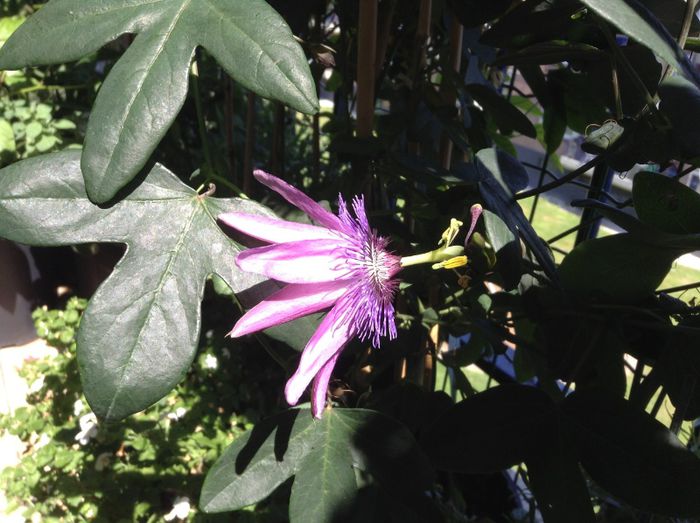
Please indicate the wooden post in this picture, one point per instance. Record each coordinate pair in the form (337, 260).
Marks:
(366, 59)
(456, 34)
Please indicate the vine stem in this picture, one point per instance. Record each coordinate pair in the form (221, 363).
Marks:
(201, 124)
(561, 181)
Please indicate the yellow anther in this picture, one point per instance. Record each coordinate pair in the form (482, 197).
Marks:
(450, 233)
(452, 263)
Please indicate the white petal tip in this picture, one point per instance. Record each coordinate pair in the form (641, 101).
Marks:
(318, 410)
(291, 394)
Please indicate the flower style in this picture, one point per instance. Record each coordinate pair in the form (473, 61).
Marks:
(339, 264)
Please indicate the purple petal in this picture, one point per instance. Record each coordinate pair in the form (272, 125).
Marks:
(293, 301)
(328, 340)
(274, 230)
(298, 262)
(319, 388)
(299, 199)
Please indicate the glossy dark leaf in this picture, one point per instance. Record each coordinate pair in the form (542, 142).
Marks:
(635, 20)
(505, 115)
(500, 176)
(507, 248)
(492, 430)
(680, 102)
(559, 486)
(331, 460)
(680, 368)
(666, 204)
(633, 456)
(498, 233)
(145, 90)
(652, 207)
(139, 333)
(554, 123)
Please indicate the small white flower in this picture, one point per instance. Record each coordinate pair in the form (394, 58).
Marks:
(78, 407)
(177, 414)
(180, 510)
(102, 461)
(36, 385)
(88, 429)
(37, 441)
(210, 362)
(36, 518)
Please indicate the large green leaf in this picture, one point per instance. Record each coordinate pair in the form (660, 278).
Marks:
(666, 203)
(665, 206)
(632, 455)
(680, 102)
(143, 93)
(331, 459)
(635, 20)
(559, 486)
(139, 333)
(492, 430)
(506, 245)
(505, 115)
(621, 267)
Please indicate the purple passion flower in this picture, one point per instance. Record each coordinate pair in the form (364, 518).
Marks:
(340, 264)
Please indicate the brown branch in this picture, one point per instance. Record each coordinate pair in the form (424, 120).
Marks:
(366, 60)
(448, 91)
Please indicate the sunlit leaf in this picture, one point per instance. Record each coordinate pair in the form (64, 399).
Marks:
(139, 333)
(146, 88)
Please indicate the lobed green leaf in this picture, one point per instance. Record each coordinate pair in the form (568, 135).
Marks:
(145, 90)
(138, 335)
